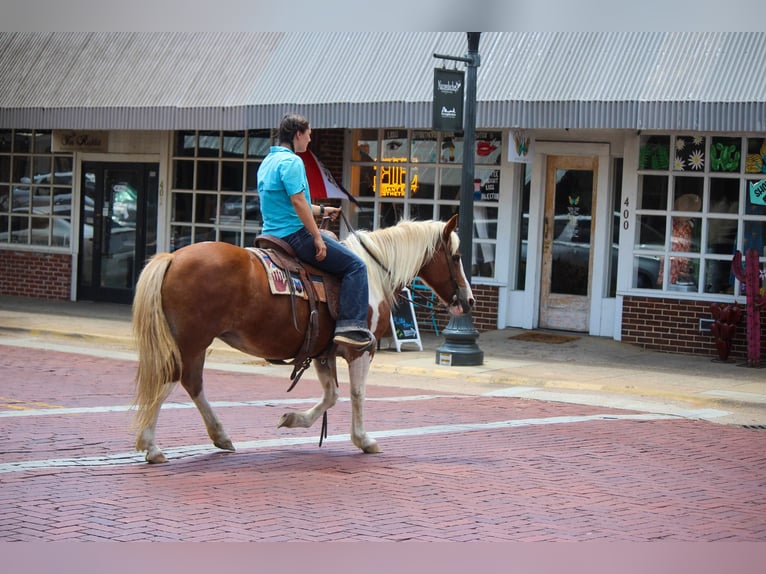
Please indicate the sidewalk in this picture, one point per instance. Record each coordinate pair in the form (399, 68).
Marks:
(584, 370)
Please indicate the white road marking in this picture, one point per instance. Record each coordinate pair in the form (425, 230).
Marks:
(191, 450)
(215, 404)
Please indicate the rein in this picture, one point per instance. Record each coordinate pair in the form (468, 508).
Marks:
(359, 239)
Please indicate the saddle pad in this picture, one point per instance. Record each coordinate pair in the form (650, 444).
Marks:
(278, 278)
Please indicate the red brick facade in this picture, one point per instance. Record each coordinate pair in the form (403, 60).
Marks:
(484, 313)
(31, 274)
(672, 326)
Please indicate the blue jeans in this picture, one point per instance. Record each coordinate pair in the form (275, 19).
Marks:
(354, 293)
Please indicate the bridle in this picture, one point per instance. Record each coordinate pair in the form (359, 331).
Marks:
(452, 275)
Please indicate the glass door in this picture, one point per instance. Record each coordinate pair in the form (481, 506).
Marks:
(118, 222)
(567, 265)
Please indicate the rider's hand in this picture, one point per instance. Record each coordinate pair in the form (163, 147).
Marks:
(332, 212)
(321, 248)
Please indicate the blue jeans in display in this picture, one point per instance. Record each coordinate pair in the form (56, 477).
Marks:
(354, 293)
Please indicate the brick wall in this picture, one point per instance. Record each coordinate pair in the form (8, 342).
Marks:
(672, 326)
(484, 313)
(31, 274)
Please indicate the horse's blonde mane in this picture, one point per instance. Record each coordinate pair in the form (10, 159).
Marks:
(402, 249)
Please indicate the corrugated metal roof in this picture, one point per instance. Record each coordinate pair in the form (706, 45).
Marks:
(678, 81)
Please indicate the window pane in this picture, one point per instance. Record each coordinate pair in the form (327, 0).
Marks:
(725, 154)
(651, 232)
(231, 176)
(182, 207)
(234, 144)
(393, 180)
(652, 192)
(390, 213)
(258, 143)
(684, 274)
(362, 181)
(654, 153)
(395, 145)
(424, 146)
(6, 141)
(42, 142)
(452, 148)
(421, 212)
(718, 277)
(231, 209)
(22, 142)
(206, 208)
(183, 174)
(365, 146)
(686, 234)
(230, 237)
(252, 176)
(207, 175)
(22, 168)
(449, 187)
(753, 237)
(488, 181)
(722, 236)
(753, 205)
(184, 143)
(209, 144)
(687, 195)
(756, 155)
(180, 236)
(42, 169)
(488, 148)
(724, 195)
(689, 153)
(422, 182)
(5, 169)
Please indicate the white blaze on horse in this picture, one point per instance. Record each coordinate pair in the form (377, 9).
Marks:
(186, 299)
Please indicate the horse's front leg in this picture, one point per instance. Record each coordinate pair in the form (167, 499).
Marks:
(358, 368)
(325, 368)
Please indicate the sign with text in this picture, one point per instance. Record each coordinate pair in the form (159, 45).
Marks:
(79, 140)
(449, 88)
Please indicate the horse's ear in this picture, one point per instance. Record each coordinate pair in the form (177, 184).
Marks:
(450, 227)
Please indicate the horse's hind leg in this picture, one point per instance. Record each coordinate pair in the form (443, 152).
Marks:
(191, 380)
(146, 434)
(358, 367)
(328, 377)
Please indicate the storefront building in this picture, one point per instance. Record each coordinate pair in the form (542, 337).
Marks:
(615, 174)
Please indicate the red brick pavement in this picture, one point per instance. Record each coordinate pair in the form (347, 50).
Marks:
(604, 479)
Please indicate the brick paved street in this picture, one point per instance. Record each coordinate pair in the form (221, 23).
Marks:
(453, 467)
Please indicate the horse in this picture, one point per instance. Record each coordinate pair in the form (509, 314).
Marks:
(187, 298)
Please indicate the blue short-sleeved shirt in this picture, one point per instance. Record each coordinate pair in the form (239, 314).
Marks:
(281, 175)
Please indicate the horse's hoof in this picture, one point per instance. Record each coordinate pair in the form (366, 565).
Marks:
(155, 457)
(286, 420)
(225, 445)
(373, 448)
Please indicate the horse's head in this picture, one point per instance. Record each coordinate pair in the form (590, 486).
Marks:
(444, 273)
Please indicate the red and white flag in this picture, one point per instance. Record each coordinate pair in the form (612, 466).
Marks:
(321, 182)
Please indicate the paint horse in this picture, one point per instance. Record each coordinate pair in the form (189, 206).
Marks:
(185, 299)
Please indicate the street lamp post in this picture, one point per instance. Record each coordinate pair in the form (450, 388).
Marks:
(460, 335)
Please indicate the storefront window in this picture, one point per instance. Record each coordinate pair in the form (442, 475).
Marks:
(214, 194)
(417, 174)
(35, 191)
(694, 211)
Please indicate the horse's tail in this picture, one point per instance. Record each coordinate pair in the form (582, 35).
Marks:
(159, 360)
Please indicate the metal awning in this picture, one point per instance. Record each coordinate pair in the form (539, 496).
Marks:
(232, 81)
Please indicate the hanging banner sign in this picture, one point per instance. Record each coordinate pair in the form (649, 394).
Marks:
(758, 192)
(449, 88)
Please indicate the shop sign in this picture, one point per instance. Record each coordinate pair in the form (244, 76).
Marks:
(80, 140)
(758, 192)
(449, 88)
